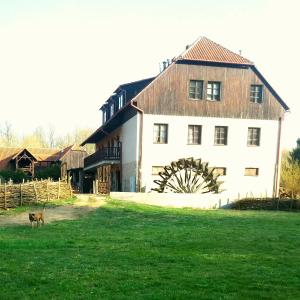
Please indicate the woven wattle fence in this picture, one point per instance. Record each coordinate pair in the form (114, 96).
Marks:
(13, 195)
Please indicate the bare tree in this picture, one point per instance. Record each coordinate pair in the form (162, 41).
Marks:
(51, 136)
(7, 134)
(39, 135)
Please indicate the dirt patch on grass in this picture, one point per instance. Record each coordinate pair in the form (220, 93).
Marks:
(83, 205)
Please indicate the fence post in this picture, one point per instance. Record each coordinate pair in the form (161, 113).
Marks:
(21, 195)
(58, 192)
(47, 189)
(70, 186)
(4, 195)
(34, 187)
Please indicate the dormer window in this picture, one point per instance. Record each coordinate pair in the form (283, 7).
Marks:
(256, 93)
(104, 116)
(121, 100)
(112, 109)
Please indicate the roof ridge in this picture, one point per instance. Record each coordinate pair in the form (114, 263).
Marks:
(188, 47)
(204, 49)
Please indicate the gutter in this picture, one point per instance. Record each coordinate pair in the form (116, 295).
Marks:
(278, 160)
(140, 157)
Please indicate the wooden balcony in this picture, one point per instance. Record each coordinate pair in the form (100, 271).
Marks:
(105, 155)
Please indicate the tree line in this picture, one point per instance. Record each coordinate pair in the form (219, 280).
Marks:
(43, 138)
(290, 173)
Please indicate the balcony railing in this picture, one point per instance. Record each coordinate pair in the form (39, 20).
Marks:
(105, 154)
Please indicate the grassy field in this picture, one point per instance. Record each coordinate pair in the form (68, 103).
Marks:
(127, 251)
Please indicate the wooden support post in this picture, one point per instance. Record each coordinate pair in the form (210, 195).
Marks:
(97, 186)
(71, 192)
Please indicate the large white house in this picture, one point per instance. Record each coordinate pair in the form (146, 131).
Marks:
(207, 103)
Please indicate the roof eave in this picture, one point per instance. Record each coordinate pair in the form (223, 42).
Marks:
(273, 92)
(86, 141)
(213, 63)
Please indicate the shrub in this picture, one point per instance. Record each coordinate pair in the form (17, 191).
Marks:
(15, 176)
(267, 204)
(290, 176)
(49, 172)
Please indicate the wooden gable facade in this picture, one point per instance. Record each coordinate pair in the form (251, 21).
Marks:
(168, 94)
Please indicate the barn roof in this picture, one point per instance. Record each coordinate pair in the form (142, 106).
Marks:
(40, 154)
(206, 50)
(6, 154)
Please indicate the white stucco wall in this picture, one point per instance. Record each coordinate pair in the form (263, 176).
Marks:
(235, 156)
(128, 137)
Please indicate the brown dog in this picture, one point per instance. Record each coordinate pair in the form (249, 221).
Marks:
(37, 217)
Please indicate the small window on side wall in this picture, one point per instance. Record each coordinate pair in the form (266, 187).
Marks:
(251, 171)
(196, 89)
(194, 134)
(160, 134)
(221, 133)
(157, 169)
(256, 93)
(253, 136)
(219, 171)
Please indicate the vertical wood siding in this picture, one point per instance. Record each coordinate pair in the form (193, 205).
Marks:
(169, 94)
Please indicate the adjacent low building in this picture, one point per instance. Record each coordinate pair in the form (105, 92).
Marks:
(31, 160)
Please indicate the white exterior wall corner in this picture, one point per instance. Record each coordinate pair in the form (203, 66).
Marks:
(130, 150)
(235, 157)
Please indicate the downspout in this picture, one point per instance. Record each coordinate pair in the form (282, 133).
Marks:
(139, 179)
(278, 160)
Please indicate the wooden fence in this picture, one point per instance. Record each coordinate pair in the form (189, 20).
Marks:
(12, 195)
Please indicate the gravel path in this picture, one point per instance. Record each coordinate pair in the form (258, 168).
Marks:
(83, 205)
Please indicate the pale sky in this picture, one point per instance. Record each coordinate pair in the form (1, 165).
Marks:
(61, 59)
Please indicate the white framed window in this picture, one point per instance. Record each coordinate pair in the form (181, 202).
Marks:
(221, 133)
(112, 109)
(256, 93)
(157, 169)
(213, 91)
(103, 116)
(196, 89)
(220, 171)
(251, 171)
(253, 136)
(160, 134)
(121, 100)
(194, 134)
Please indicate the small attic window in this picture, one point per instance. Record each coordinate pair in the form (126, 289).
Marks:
(256, 93)
(196, 89)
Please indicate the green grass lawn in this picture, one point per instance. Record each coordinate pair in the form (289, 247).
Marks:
(37, 206)
(128, 251)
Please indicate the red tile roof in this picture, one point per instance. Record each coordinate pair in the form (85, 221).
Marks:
(206, 50)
